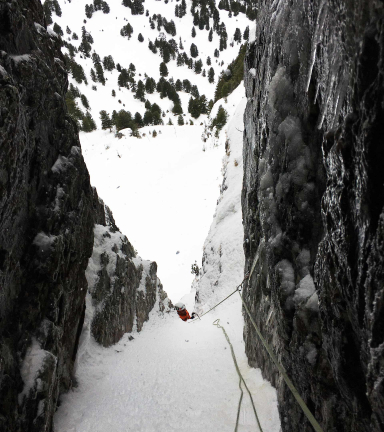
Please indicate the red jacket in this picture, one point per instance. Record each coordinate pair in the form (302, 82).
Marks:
(183, 314)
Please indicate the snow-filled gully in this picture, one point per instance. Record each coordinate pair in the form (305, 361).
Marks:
(171, 375)
(176, 375)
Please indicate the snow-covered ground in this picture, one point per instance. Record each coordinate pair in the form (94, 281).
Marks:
(172, 376)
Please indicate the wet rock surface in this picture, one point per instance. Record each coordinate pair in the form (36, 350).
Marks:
(313, 199)
(48, 211)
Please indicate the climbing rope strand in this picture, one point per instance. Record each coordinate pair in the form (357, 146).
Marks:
(289, 383)
(241, 379)
(205, 313)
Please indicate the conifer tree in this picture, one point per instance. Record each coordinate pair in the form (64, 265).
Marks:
(194, 51)
(108, 63)
(198, 66)
(211, 75)
(113, 93)
(139, 119)
(163, 69)
(237, 35)
(193, 32)
(210, 35)
(180, 120)
(140, 38)
(106, 122)
(88, 123)
(178, 85)
(209, 61)
(84, 101)
(140, 91)
(93, 75)
(246, 33)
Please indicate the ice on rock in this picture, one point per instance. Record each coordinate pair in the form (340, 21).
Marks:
(287, 276)
(305, 290)
(44, 241)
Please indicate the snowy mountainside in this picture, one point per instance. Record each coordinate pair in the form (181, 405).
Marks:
(223, 258)
(103, 33)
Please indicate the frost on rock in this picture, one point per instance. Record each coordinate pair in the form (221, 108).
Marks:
(38, 372)
(305, 290)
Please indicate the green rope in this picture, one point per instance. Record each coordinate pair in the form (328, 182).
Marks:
(205, 313)
(241, 380)
(280, 367)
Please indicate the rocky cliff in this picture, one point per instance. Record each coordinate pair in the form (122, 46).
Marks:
(313, 201)
(48, 213)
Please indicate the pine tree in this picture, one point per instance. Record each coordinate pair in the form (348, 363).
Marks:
(139, 119)
(163, 69)
(237, 35)
(210, 35)
(106, 122)
(140, 91)
(108, 63)
(177, 109)
(180, 120)
(216, 53)
(58, 30)
(140, 38)
(209, 61)
(113, 93)
(193, 32)
(93, 75)
(84, 101)
(178, 85)
(198, 66)
(88, 123)
(68, 30)
(194, 51)
(105, 7)
(246, 33)
(150, 85)
(170, 122)
(127, 30)
(211, 75)
(181, 45)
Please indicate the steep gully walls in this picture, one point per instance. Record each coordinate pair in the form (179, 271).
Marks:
(48, 213)
(313, 199)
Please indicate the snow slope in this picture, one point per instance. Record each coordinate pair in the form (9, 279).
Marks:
(172, 375)
(162, 191)
(105, 30)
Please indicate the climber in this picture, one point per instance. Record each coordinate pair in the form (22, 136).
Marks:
(182, 312)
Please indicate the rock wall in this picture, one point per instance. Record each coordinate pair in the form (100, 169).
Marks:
(123, 287)
(48, 211)
(313, 201)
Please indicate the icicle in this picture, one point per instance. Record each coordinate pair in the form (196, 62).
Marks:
(316, 40)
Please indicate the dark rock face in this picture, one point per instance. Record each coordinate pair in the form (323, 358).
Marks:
(313, 199)
(46, 221)
(123, 287)
(48, 211)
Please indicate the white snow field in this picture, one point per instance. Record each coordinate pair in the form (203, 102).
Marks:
(173, 375)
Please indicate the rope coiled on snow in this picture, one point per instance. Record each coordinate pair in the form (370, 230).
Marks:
(241, 379)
